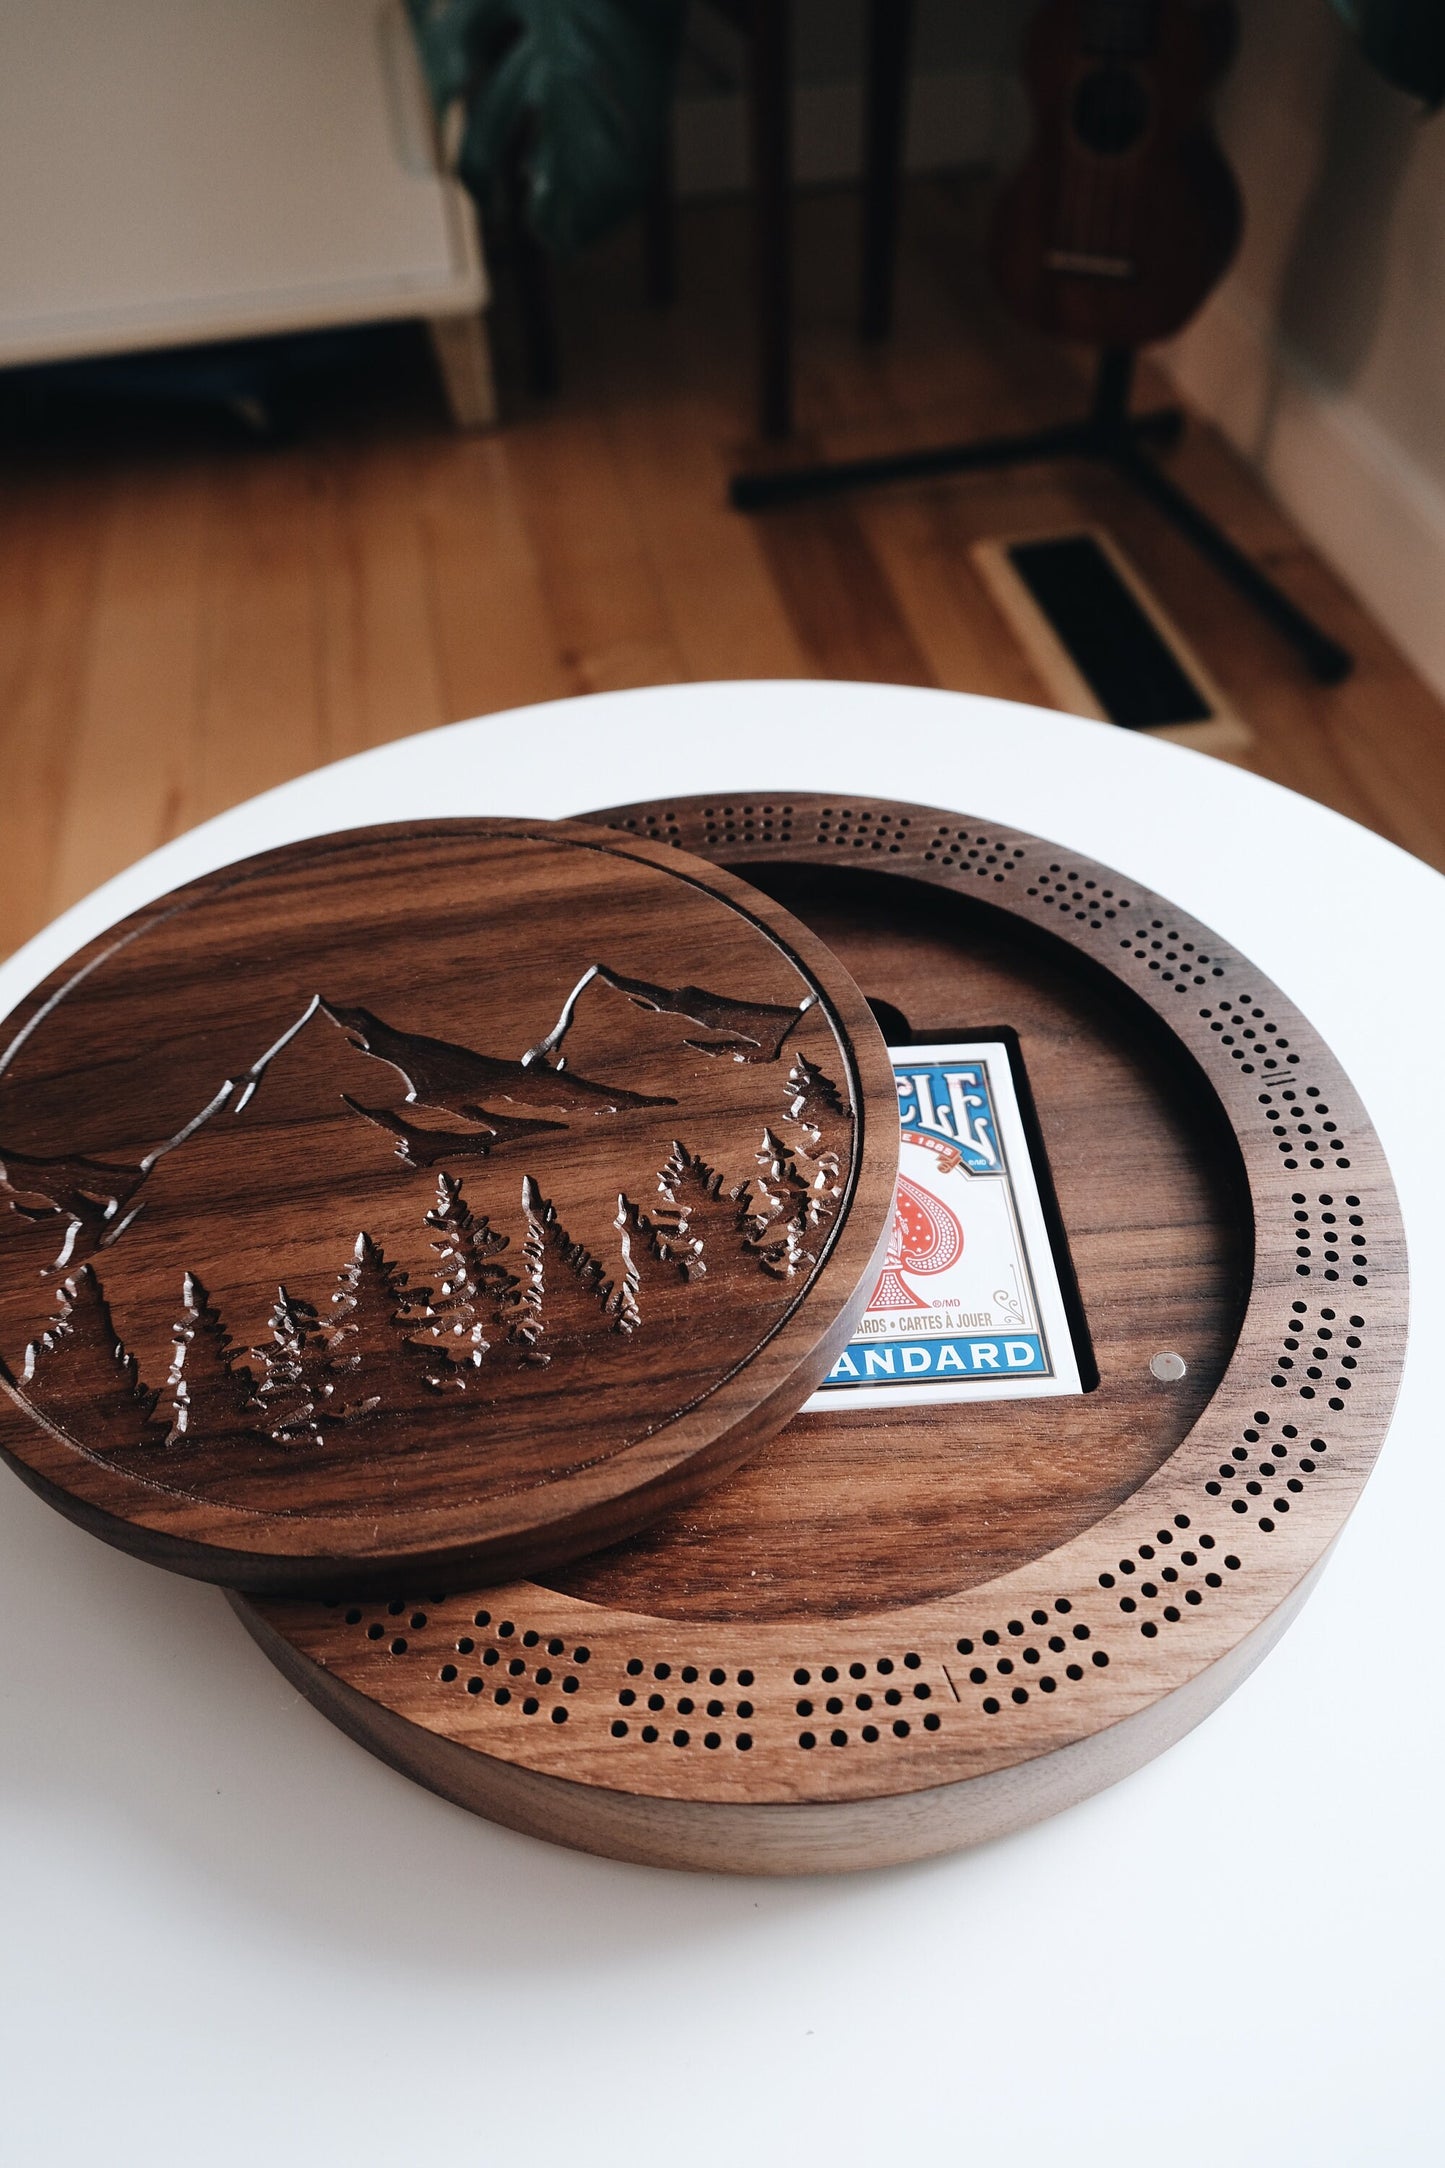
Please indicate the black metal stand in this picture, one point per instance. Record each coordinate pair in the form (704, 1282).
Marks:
(1107, 432)
(889, 34)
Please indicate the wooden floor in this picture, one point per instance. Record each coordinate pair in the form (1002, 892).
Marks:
(186, 618)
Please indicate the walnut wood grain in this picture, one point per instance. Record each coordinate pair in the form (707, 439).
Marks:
(428, 1199)
(889, 1635)
(854, 1512)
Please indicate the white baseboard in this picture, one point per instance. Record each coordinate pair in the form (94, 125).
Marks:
(963, 117)
(1350, 488)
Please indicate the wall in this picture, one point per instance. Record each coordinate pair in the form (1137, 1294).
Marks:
(1323, 354)
(964, 106)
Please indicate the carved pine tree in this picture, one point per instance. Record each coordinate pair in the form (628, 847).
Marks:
(655, 1253)
(793, 1200)
(566, 1298)
(637, 1256)
(814, 1101)
(453, 1335)
(208, 1394)
(78, 1370)
(375, 1364)
(297, 1384)
(478, 1304)
(658, 1249)
(710, 1215)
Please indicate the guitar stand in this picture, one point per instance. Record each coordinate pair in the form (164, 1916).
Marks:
(1108, 432)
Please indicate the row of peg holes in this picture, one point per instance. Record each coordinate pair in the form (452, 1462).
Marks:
(1161, 949)
(845, 827)
(1307, 1357)
(1300, 1123)
(1336, 1248)
(1245, 1029)
(518, 1668)
(1145, 1557)
(645, 1698)
(1020, 1648)
(1297, 1122)
(893, 1696)
(508, 1676)
(987, 857)
(1090, 903)
(856, 828)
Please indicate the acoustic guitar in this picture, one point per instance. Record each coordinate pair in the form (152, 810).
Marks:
(1124, 214)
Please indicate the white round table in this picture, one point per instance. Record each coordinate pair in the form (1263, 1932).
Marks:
(229, 1935)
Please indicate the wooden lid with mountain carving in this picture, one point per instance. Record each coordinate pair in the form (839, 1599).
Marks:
(450, 1198)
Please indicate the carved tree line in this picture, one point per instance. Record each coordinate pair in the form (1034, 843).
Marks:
(495, 1308)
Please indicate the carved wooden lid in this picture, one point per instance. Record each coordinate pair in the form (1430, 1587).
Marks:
(447, 1197)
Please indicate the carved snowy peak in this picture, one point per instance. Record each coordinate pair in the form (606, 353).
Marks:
(454, 1079)
(95, 1200)
(418, 1146)
(89, 1195)
(747, 1031)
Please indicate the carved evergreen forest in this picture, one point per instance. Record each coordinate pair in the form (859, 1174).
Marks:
(500, 1302)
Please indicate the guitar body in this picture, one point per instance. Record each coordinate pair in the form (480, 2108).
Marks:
(1125, 214)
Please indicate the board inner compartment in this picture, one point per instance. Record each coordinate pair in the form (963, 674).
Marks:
(860, 1511)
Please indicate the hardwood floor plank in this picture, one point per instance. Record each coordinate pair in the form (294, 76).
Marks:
(379, 672)
(725, 611)
(51, 533)
(126, 775)
(922, 544)
(668, 423)
(838, 596)
(261, 713)
(602, 594)
(188, 620)
(496, 643)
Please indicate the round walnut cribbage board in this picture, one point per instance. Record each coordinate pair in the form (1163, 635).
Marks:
(447, 1198)
(897, 1631)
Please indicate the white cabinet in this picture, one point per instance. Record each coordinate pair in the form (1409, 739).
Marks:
(179, 170)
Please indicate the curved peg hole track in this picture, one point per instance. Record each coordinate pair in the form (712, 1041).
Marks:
(862, 1511)
(880, 1606)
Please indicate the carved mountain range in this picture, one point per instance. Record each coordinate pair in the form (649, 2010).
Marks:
(742, 1030)
(93, 1200)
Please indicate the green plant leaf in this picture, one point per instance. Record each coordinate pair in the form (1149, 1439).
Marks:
(445, 32)
(579, 90)
(1405, 40)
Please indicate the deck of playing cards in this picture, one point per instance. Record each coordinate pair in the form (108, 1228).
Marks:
(968, 1305)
